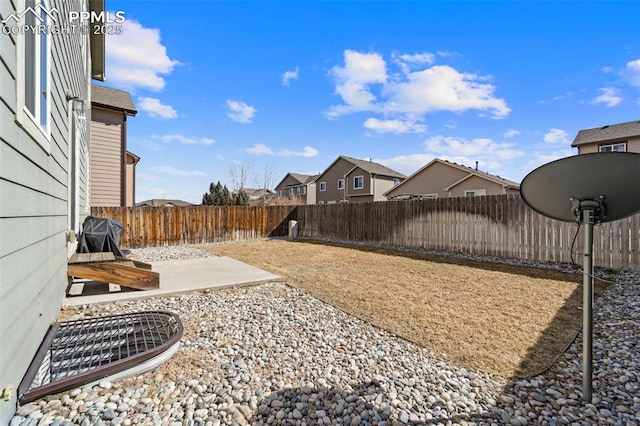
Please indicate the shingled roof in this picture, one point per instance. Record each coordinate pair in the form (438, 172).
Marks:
(610, 133)
(112, 98)
(374, 168)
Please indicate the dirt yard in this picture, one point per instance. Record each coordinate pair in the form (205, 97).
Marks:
(506, 320)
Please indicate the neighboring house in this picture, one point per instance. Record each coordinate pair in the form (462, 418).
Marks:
(156, 202)
(441, 178)
(112, 166)
(616, 137)
(258, 197)
(298, 185)
(349, 180)
(45, 93)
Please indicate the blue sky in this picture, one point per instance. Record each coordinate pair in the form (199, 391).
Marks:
(289, 86)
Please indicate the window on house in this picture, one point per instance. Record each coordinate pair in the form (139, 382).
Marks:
(323, 186)
(340, 183)
(358, 182)
(34, 68)
(396, 181)
(475, 192)
(616, 147)
(290, 191)
(303, 190)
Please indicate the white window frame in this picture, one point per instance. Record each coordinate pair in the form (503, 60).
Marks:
(355, 180)
(612, 147)
(340, 183)
(303, 190)
(37, 123)
(323, 186)
(396, 181)
(475, 192)
(290, 191)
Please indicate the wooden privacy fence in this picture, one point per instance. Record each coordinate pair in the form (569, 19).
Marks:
(157, 226)
(498, 225)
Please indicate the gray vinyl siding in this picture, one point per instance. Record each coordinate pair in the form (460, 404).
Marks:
(34, 208)
(106, 158)
(331, 176)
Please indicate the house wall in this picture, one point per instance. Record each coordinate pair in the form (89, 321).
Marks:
(311, 194)
(381, 184)
(130, 182)
(363, 194)
(34, 212)
(331, 176)
(633, 145)
(476, 182)
(431, 180)
(106, 157)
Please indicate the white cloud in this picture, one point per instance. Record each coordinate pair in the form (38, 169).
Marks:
(394, 126)
(184, 140)
(240, 111)
(137, 58)
(442, 88)
(607, 70)
(511, 133)
(451, 124)
(609, 96)
(556, 136)
(406, 164)
(540, 158)
(414, 93)
(306, 152)
(408, 62)
(353, 80)
(154, 108)
(290, 75)
(479, 148)
(170, 170)
(632, 72)
(259, 149)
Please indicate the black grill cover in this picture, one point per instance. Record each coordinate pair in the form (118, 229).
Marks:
(100, 234)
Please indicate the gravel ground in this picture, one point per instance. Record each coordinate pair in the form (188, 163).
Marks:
(274, 355)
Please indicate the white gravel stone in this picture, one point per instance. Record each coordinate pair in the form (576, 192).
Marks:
(274, 355)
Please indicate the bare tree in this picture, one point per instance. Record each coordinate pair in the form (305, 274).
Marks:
(239, 174)
(264, 180)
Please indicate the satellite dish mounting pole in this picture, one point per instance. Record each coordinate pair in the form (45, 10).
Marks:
(588, 219)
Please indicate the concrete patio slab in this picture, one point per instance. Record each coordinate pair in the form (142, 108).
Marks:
(176, 276)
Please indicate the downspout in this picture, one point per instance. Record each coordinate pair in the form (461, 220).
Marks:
(123, 161)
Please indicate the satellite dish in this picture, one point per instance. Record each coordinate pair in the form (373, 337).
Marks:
(610, 178)
(587, 189)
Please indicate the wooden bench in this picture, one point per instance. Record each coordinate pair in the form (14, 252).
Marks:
(106, 267)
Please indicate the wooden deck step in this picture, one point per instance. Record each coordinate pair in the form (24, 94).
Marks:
(105, 267)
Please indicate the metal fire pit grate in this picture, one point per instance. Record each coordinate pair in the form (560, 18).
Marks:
(81, 351)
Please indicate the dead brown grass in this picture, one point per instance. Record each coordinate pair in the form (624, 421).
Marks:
(507, 320)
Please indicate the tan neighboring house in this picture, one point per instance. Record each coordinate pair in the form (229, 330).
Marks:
(623, 137)
(156, 202)
(441, 178)
(350, 180)
(112, 167)
(298, 185)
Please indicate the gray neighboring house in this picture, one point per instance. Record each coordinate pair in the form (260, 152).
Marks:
(298, 185)
(622, 137)
(350, 180)
(113, 168)
(45, 100)
(161, 202)
(442, 178)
